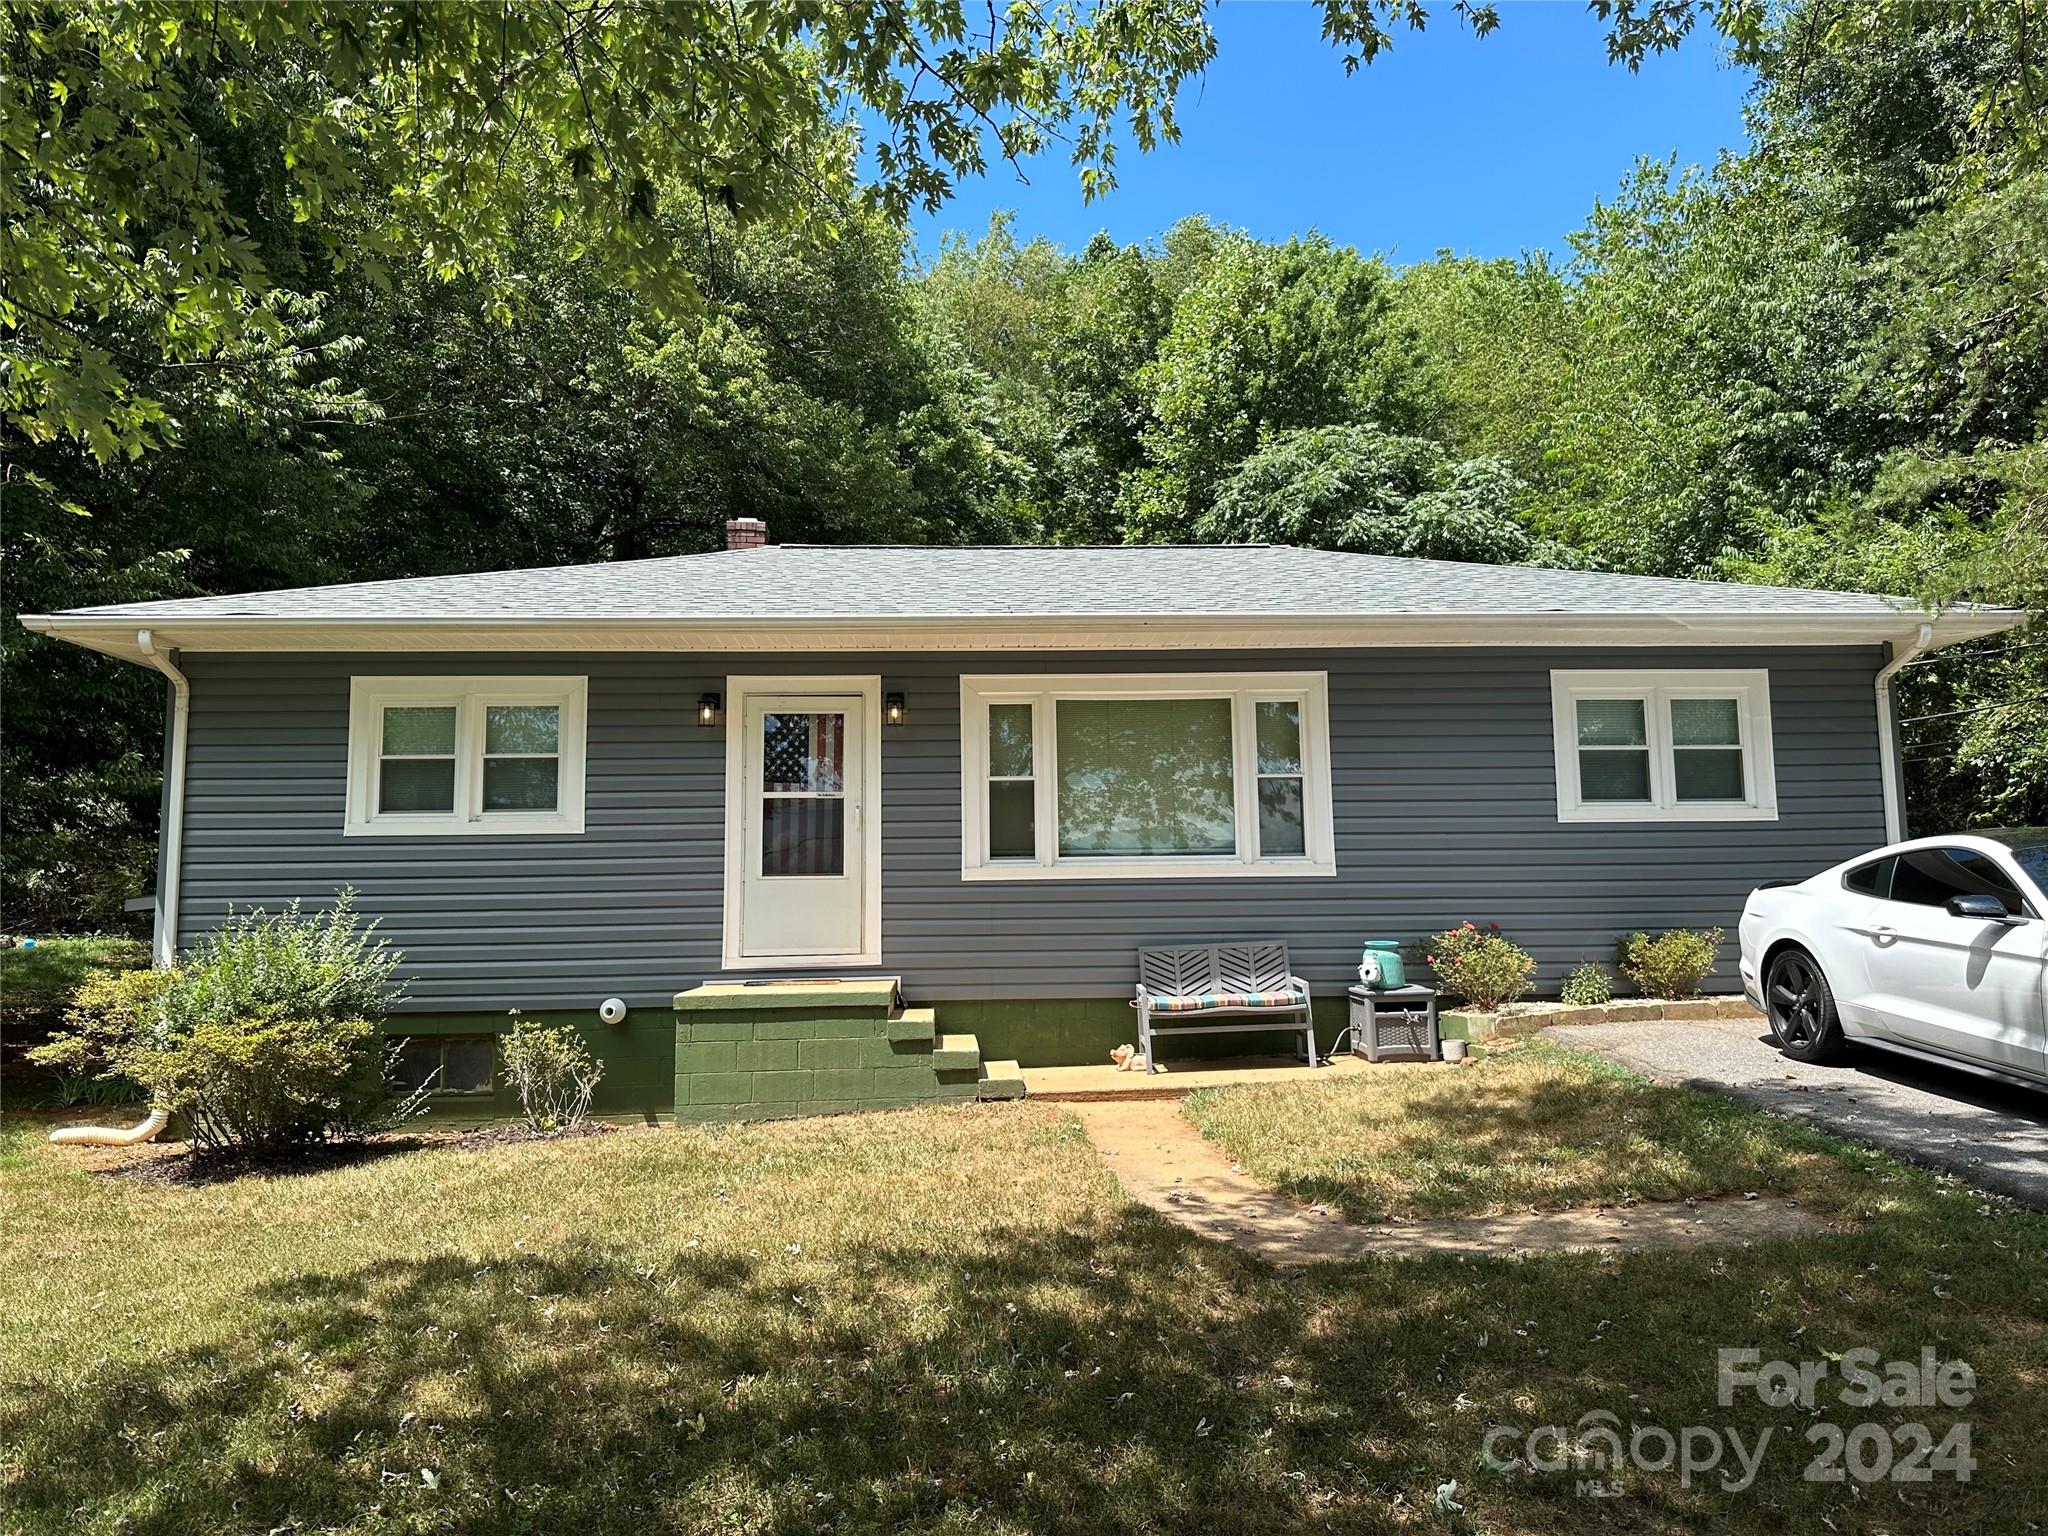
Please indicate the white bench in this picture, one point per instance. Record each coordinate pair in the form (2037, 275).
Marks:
(1235, 980)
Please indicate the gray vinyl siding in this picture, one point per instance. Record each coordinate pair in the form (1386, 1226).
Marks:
(1444, 795)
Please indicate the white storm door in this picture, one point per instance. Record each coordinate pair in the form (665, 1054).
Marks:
(804, 861)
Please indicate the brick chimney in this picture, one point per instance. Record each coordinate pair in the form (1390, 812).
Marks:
(745, 533)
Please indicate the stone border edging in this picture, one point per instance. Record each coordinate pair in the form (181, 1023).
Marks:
(1527, 1018)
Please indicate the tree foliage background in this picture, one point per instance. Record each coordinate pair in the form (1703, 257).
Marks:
(341, 320)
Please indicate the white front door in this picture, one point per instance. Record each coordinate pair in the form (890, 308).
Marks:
(801, 865)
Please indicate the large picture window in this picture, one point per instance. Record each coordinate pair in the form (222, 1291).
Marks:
(1663, 746)
(1080, 776)
(440, 756)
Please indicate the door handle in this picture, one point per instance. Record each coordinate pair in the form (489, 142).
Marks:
(1883, 933)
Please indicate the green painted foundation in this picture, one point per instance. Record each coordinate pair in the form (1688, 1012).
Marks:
(741, 1052)
(1081, 1031)
(639, 1056)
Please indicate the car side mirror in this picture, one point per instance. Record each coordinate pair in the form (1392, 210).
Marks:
(1980, 908)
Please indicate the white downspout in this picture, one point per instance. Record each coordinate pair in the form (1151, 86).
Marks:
(1887, 736)
(166, 938)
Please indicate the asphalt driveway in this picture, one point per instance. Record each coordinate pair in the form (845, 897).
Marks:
(1992, 1135)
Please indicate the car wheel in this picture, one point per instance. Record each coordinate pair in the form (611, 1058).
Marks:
(1801, 1008)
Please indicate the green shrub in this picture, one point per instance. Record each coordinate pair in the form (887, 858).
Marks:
(270, 1084)
(554, 1073)
(265, 1038)
(291, 966)
(1479, 965)
(110, 1010)
(37, 985)
(1672, 964)
(1586, 987)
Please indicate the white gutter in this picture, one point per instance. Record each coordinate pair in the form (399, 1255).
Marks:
(1887, 735)
(166, 938)
(114, 634)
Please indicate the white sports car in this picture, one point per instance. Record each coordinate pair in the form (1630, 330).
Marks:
(1936, 948)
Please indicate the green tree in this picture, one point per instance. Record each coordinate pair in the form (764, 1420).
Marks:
(1494, 345)
(424, 136)
(1370, 492)
(1266, 339)
(1057, 347)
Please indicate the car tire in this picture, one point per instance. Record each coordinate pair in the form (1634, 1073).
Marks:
(1801, 1007)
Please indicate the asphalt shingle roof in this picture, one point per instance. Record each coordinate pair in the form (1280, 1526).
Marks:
(806, 581)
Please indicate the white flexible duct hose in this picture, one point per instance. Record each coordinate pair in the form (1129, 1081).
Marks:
(113, 1136)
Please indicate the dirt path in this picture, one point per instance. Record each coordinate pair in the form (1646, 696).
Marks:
(1164, 1162)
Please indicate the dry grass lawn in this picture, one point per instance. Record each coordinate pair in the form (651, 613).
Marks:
(937, 1320)
(1537, 1126)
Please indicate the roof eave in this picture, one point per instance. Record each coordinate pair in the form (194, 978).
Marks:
(120, 636)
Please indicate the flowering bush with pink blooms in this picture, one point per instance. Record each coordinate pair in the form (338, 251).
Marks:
(1480, 965)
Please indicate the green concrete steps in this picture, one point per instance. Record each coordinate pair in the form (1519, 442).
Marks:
(1001, 1080)
(956, 1051)
(755, 1050)
(910, 1024)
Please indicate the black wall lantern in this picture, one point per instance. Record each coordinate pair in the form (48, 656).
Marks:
(893, 711)
(710, 710)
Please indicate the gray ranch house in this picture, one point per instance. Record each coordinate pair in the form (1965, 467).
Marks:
(959, 788)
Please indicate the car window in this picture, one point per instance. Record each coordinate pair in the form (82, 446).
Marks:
(2032, 859)
(1995, 881)
(1928, 877)
(1872, 879)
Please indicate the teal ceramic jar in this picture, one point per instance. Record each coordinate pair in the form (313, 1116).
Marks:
(1388, 952)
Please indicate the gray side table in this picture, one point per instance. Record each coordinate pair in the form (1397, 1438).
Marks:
(1395, 1022)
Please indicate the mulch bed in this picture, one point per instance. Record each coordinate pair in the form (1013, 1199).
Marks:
(175, 1163)
(507, 1135)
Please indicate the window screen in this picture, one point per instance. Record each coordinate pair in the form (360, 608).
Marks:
(1706, 749)
(1012, 783)
(522, 756)
(1283, 820)
(1614, 750)
(416, 760)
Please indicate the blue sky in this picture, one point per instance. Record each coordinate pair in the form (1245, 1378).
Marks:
(1488, 147)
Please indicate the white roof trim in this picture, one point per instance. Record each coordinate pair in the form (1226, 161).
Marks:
(1050, 632)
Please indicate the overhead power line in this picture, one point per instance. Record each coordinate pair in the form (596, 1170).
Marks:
(2003, 650)
(1980, 709)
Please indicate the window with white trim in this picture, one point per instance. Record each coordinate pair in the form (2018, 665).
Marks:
(1663, 746)
(442, 756)
(1155, 775)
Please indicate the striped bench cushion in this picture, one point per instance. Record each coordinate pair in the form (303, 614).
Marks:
(1172, 1002)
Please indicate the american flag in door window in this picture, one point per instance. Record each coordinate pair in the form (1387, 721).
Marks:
(803, 806)
(803, 754)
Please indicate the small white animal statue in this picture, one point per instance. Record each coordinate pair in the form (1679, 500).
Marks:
(1369, 969)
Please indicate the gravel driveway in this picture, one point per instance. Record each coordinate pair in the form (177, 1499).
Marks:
(1992, 1135)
